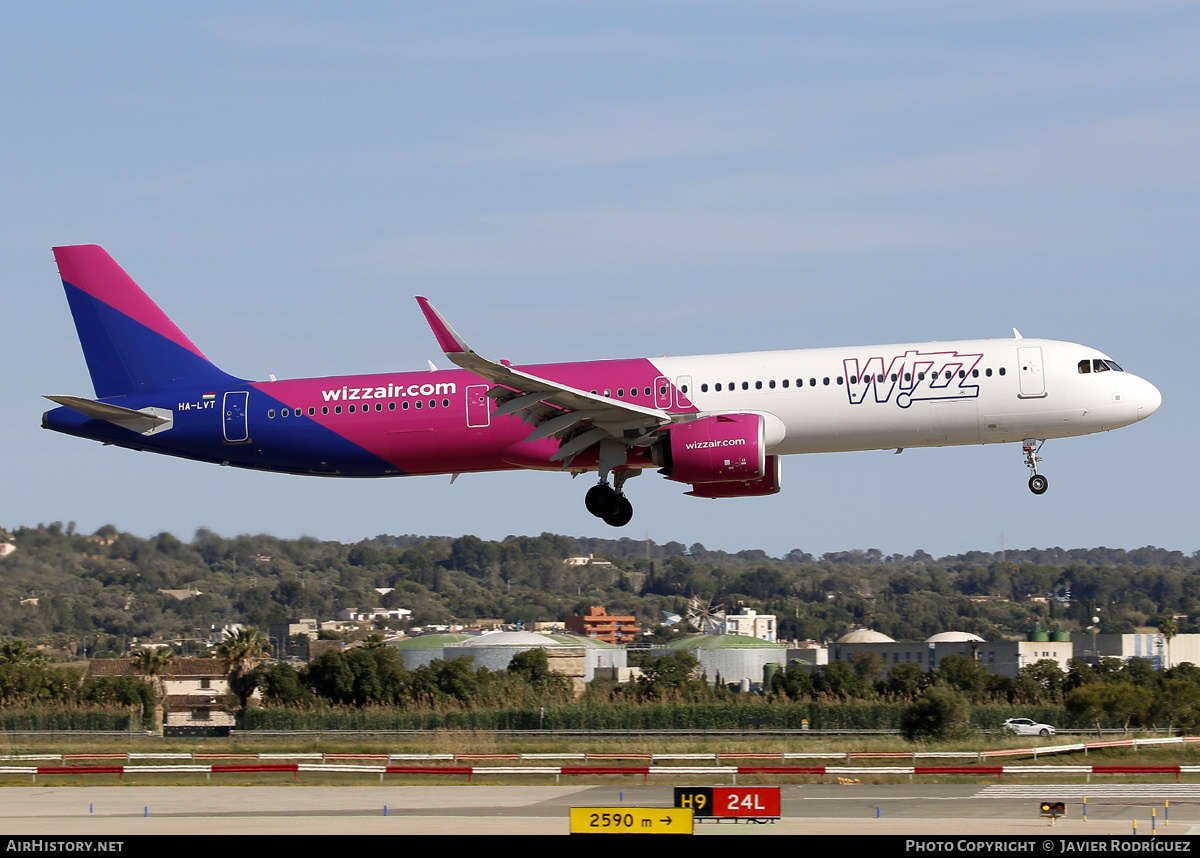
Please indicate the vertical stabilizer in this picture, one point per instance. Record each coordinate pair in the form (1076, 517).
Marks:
(129, 343)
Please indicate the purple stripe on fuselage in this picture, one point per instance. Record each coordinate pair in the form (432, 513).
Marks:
(91, 270)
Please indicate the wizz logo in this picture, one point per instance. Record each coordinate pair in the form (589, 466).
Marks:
(912, 377)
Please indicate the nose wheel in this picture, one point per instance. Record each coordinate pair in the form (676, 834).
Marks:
(1037, 483)
(608, 503)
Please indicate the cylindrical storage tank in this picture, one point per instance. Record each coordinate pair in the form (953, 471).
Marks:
(421, 650)
(1060, 635)
(1037, 633)
(744, 686)
(770, 671)
(732, 657)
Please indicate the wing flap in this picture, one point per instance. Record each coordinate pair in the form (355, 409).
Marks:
(555, 409)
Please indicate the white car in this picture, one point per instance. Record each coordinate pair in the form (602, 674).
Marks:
(1027, 727)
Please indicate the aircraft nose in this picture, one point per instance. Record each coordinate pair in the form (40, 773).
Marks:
(1149, 398)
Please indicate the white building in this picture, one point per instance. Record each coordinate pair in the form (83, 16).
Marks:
(749, 623)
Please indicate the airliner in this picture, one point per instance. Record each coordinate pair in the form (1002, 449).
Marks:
(719, 424)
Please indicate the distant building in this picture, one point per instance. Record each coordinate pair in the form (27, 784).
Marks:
(590, 560)
(1004, 658)
(195, 690)
(750, 623)
(354, 615)
(1153, 646)
(598, 624)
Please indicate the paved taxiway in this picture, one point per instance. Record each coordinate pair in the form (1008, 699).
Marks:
(927, 809)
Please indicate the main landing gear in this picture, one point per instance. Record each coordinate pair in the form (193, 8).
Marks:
(1037, 483)
(609, 502)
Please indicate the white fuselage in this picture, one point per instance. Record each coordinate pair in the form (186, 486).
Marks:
(916, 395)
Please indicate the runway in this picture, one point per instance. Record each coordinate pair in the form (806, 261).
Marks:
(920, 809)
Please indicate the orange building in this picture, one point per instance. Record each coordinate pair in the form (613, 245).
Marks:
(598, 624)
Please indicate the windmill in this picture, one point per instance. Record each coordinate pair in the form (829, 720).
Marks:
(706, 617)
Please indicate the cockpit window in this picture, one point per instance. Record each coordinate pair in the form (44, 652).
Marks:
(1099, 365)
(1112, 364)
(1085, 366)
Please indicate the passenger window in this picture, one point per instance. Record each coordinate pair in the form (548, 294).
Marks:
(284, 412)
(337, 409)
(378, 406)
(839, 379)
(620, 393)
(404, 405)
(271, 414)
(311, 411)
(324, 409)
(758, 385)
(718, 387)
(418, 404)
(812, 382)
(445, 403)
(745, 385)
(785, 382)
(1002, 370)
(351, 409)
(974, 373)
(827, 381)
(988, 372)
(391, 406)
(962, 373)
(771, 384)
(633, 391)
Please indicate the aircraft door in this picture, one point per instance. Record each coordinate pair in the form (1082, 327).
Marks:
(662, 393)
(683, 387)
(479, 410)
(1032, 378)
(234, 408)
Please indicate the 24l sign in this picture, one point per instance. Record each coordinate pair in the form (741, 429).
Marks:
(754, 802)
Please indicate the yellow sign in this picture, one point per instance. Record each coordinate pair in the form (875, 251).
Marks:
(631, 820)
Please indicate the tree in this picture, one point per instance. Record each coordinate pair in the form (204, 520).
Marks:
(939, 713)
(670, 675)
(240, 652)
(154, 664)
(963, 674)
(1169, 629)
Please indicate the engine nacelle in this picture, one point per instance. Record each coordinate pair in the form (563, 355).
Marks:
(719, 449)
(768, 484)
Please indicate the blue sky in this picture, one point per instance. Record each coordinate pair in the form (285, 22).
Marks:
(591, 180)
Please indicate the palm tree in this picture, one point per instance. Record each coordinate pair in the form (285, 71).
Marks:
(155, 663)
(1169, 628)
(240, 653)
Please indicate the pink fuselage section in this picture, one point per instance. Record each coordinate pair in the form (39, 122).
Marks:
(436, 422)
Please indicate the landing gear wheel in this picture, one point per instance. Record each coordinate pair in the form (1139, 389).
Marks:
(601, 501)
(623, 514)
(1038, 484)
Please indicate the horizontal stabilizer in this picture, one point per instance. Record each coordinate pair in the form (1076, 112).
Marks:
(147, 421)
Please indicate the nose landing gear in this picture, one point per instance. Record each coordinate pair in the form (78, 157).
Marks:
(609, 502)
(1037, 483)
